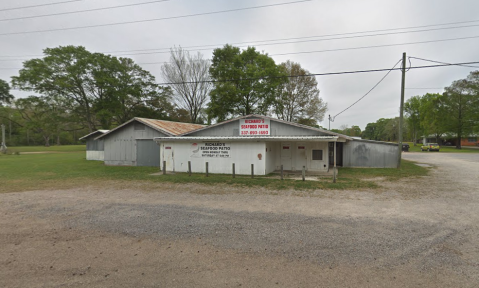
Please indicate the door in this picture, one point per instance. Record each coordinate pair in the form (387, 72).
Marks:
(339, 154)
(319, 156)
(286, 156)
(300, 157)
(147, 153)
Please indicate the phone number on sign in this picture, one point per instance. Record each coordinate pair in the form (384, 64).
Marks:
(254, 132)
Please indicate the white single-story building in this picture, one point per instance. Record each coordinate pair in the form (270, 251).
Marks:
(268, 143)
(94, 148)
(131, 144)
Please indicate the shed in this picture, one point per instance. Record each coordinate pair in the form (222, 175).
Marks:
(94, 147)
(268, 143)
(131, 144)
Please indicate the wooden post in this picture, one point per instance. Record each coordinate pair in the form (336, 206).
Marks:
(233, 170)
(401, 108)
(164, 167)
(334, 168)
(252, 170)
(189, 168)
(281, 172)
(304, 172)
(206, 169)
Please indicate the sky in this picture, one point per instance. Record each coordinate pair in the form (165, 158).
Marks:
(323, 36)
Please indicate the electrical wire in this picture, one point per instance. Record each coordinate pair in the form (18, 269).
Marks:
(39, 5)
(374, 87)
(433, 61)
(155, 19)
(83, 11)
(257, 43)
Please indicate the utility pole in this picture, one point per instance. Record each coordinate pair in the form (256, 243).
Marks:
(3, 147)
(403, 83)
(329, 122)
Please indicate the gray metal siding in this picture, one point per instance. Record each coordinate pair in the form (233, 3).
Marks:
(121, 145)
(147, 153)
(369, 154)
(276, 129)
(94, 145)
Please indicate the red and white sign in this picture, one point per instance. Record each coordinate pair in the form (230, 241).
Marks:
(254, 127)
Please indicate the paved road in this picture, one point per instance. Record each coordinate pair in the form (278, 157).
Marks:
(418, 232)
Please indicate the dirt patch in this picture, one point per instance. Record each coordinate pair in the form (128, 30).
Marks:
(416, 232)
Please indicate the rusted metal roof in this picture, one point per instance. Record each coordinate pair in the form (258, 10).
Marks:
(169, 128)
(173, 128)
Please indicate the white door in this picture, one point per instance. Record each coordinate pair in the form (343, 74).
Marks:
(168, 156)
(300, 156)
(286, 156)
(319, 156)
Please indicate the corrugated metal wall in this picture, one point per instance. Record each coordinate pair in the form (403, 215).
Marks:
(359, 153)
(94, 145)
(121, 147)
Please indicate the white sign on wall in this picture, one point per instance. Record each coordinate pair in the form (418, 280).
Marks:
(211, 150)
(254, 127)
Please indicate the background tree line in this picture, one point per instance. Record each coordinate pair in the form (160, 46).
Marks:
(76, 92)
(454, 113)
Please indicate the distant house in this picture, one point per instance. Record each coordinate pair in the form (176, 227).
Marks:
(131, 144)
(451, 139)
(94, 148)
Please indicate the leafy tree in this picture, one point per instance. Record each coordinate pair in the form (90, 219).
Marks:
(99, 89)
(370, 132)
(461, 101)
(41, 115)
(353, 131)
(298, 98)
(246, 82)
(433, 117)
(5, 96)
(412, 108)
(190, 76)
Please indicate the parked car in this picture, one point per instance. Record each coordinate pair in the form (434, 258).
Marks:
(405, 147)
(430, 147)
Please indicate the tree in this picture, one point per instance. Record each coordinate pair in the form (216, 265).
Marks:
(42, 115)
(433, 116)
(189, 76)
(412, 108)
(246, 82)
(353, 131)
(99, 89)
(298, 98)
(461, 101)
(5, 96)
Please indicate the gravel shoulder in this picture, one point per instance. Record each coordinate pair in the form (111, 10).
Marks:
(415, 232)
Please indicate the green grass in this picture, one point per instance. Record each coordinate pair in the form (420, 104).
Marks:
(61, 148)
(443, 149)
(26, 172)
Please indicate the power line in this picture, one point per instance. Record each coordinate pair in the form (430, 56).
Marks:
(433, 61)
(258, 42)
(349, 48)
(39, 5)
(374, 87)
(83, 11)
(155, 19)
(316, 74)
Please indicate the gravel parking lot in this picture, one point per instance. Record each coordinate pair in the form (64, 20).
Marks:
(417, 232)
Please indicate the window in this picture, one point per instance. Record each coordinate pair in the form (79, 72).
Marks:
(317, 155)
(472, 139)
(139, 126)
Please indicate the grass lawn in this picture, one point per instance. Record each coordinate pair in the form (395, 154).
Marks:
(68, 170)
(61, 148)
(443, 149)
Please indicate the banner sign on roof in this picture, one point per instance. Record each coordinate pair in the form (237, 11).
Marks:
(254, 127)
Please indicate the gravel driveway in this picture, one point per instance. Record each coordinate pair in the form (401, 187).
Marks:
(417, 232)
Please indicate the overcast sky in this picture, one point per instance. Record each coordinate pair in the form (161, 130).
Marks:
(298, 19)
